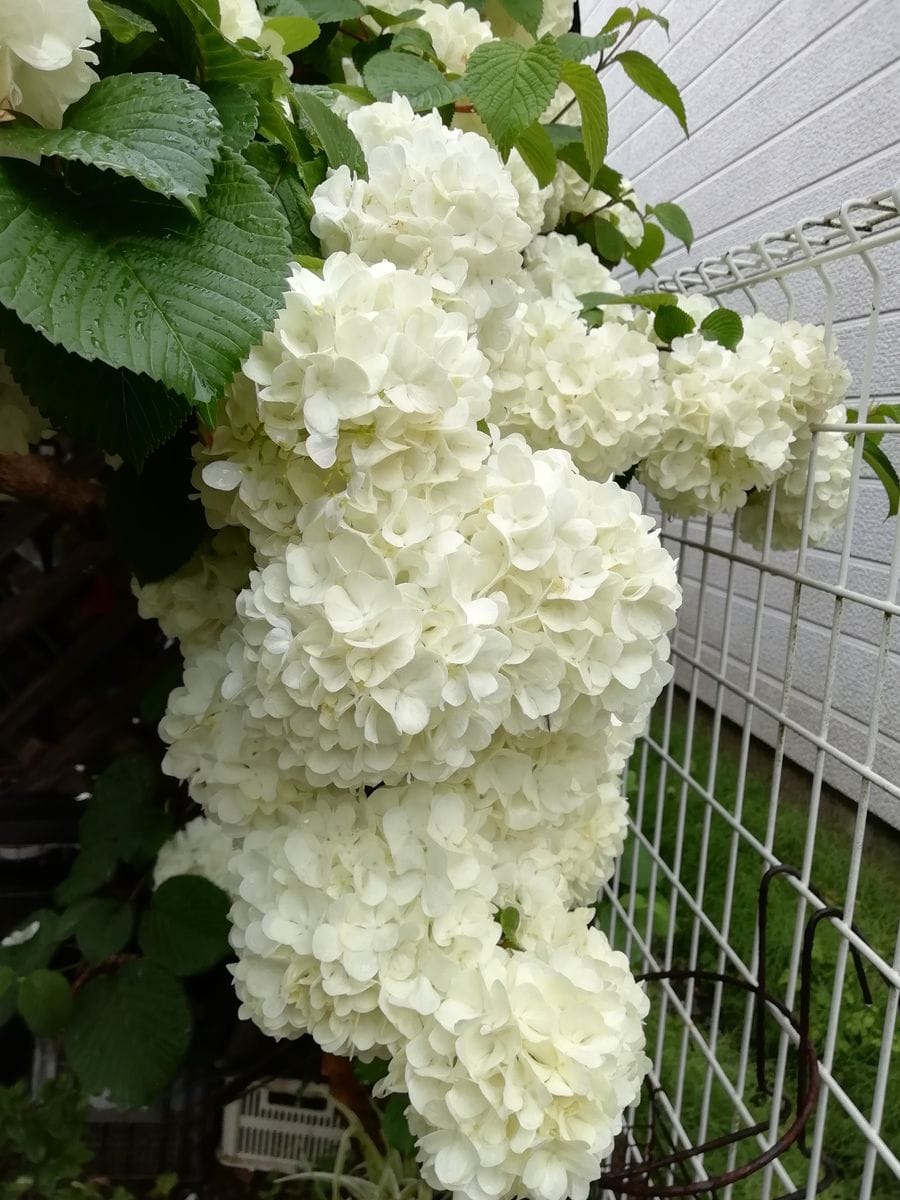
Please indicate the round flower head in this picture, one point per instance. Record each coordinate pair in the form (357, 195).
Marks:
(200, 848)
(830, 483)
(593, 391)
(455, 31)
(196, 602)
(561, 268)
(44, 57)
(348, 920)
(437, 200)
(518, 1082)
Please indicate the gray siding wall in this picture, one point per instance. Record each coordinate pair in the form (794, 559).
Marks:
(793, 109)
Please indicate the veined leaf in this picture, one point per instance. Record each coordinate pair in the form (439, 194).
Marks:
(331, 132)
(723, 326)
(526, 13)
(185, 927)
(420, 81)
(673, 218)
(179, 300)
(295, 32)
(104, 407)
(592, 104)
(537, 150)
(323, 11)
(578, 46)
(122, 25)
(671, 322)
(606, 239)
(652, 245)
(193, 30)
(511, 86)
(238, 111)
(283, 178)
(652, 79)
(157, 129)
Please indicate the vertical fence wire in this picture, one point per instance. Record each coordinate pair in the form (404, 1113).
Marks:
(778, 741)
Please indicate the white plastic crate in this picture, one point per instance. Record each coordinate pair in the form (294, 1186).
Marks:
(282, 1125)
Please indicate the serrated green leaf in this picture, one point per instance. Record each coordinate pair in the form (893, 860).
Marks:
(283, 178)
(592, 105)
(723, 326)
(647, 14)
(185, 927)
(157, 129)
(179, 300)
(45, 1001)
(652, 245)
(511, 85)
(672, 322)
(885, 470)
(652, 79)
(128, 1033)
(296, 33)
(191, 28)
(621, 16)
(330, 132)
(108, 409)
(122, 25)
(103, 928)
(537, 150)
(526, 13)
(420, 81)
(673, 218)
(414, 40)
(238, 111)
(578, 46)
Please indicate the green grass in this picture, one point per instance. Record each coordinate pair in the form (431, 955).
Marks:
(877, 911)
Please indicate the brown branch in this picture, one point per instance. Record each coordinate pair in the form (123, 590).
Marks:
(347, 1089)
(43, 482)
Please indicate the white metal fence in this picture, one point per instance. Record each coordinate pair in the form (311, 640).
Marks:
(781, 659)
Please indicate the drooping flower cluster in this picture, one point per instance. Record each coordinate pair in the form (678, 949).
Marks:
(45, 57)
(422, 645)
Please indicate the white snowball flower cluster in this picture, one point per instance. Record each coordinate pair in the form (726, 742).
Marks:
(194, 604)
(734, 416)
(570, 195)
(45, 57)
(519, 1082)
(200, 848)
(455, 30)
(830, 484)
(438, 201)
(408, 713)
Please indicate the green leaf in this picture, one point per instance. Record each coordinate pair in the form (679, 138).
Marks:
(594, 116)
(511, 85)
(646, 14)
(128, 1033)
(723, 326)
(123, 816)
(90, 870)
(650, 300)
(605, 238)
(295, 32)
(526, 13)
(179, 300)
(673, 218)
(330, 132)
(323, 11)
(157, 129)
(652, 245)
(885, 470)
(101, 407)
(185, 927)
(509, 919)
(578, 46)
(38, 949)
(386, 19)
(45, 1001)
(672, 322)
(414, 40)
(395, 1126)
(7, 979)
(420, 81)
(652, 79)
(621, 16)
(282, 177)
(104, 927)
(213, 57)
(238, 111)
(370, 1072)
(122, 25)
(537, 150)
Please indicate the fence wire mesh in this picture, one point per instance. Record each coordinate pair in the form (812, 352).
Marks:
(778, 742)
